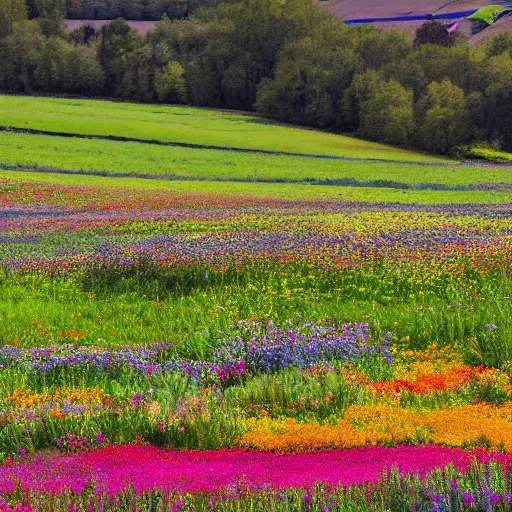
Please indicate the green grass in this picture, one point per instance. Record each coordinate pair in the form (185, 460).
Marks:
(145, 313)
(143, 159)
(185, 124)
(486, 14)
(490, 155)
(284, 191)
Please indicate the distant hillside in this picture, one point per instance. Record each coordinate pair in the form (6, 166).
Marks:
(353, 9)
(375, 9)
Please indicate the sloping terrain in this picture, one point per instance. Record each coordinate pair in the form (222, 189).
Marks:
(502, 25)
(354, 9)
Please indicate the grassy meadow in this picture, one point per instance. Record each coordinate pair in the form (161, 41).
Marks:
(247, 308)
(186, 125)
(109, 157)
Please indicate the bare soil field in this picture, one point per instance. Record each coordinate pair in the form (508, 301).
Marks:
(353, 9)
(140, 26)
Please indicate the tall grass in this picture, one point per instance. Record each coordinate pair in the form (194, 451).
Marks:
(189, 306)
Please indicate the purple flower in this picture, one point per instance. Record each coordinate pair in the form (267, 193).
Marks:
(177, 506)
(100, 438)
(495, 498)
(468, 498)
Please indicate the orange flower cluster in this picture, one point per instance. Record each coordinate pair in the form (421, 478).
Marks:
(481, 425)
(26, 399)
(72, 334)
(430, 371)
(428, 383)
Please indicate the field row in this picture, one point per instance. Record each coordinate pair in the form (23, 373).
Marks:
(250, 192)
(53, 154)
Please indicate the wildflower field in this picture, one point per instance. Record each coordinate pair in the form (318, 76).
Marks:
(186, 327)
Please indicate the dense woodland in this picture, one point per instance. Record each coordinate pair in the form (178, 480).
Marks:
(289, 60)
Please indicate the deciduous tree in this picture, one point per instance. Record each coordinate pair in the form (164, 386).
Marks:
(11, 11)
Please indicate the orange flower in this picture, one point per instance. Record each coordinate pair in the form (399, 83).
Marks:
(464, 426)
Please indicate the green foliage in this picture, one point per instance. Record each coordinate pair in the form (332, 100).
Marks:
(388, 115)
(499, 100)
(363, 88)
(51, 69)
(433, 32)
(310, 78)
(117, 42)
(11, 11)
(486, 14)
(51, 14)
(296, 394)
(170, 86)
(443, 123)
(83, 35)
(379, 48)
(489, 154)
(139, 76)
(20, 57)
(499, 44)
(84, 74)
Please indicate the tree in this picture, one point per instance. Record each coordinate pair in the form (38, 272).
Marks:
(387, 116)
(442, 118)
(246, 38)
(499, 44)
(170, 83)
(83, 34)
(364, 86)
(499, 101)
(310, 78)
(32, 11)
(433, 32)
(138, 80)
(379, 48)
(20, 56)
(117, 42)
(51, 68)
(83, 74)
(51, 15)
(11, 11)
(439, 62)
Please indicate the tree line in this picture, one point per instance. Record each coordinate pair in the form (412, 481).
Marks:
(287, 59)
